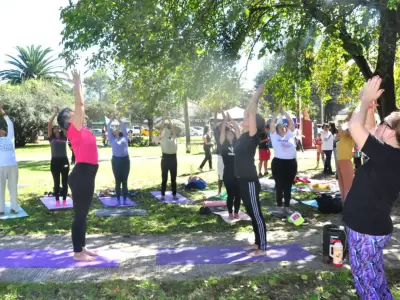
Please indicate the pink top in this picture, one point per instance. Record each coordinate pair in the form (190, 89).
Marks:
(84, 145)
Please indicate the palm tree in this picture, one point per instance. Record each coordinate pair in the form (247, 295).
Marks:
(31, 63)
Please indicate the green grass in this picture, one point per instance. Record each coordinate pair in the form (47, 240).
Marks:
(144, 177)
(307, 285)
(41, 151)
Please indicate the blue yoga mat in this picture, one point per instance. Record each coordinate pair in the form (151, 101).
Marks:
(8, 215)
(312, 203)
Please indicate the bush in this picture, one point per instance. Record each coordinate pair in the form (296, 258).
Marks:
(140, 141)
(30, 106)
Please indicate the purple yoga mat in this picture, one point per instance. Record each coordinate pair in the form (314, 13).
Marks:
(227, 255)
(50, 258)
(170, 199)
(112, 202)
(50, 203)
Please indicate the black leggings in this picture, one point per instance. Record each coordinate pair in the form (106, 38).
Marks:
(59, 166)
(232, 186)
(121, 167)
(327, 165)
(284, 172)
(208, 157)
(250, 194)
(169, 163)
(81, 181)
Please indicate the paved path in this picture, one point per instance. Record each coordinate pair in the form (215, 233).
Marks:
(137, 255)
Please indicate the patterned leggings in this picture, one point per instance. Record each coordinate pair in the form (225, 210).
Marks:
(366, 261)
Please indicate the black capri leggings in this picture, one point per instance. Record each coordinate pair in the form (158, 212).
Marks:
(121, 167)
(59, 166)
(284, 172)
(232, 186)
(208, 157)
(81, 181)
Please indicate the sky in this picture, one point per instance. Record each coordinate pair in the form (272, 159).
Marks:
(36, 22)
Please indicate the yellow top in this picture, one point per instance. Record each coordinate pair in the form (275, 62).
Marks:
(345, 147)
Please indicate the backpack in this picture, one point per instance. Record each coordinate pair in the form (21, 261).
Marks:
(204, 211)
(329, 205)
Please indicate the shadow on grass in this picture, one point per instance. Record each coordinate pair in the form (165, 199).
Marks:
(34, 146)
(35, 166)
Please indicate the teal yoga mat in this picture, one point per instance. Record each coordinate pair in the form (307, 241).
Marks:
(21, 213)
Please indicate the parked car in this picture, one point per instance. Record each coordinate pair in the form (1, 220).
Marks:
(195, 132)
(136, 130)
(199, 128)
(97, 132)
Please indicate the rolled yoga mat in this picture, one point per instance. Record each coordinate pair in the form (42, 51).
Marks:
(227, 255)
(170, 199)
(51, 258)
(7, 215)
(120, 212)
(51, 204)
(113, 202)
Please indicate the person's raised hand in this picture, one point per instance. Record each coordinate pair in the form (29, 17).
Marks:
(372, 90)
(76, 77)
(280, 108)
(259, 92)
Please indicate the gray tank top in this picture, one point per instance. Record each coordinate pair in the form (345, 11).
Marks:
(58, 147)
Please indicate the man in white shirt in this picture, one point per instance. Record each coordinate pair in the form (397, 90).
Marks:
(299, 138)
(8, 166)
(327, 148)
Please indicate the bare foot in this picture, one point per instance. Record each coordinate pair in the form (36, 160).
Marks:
(90, 252)
(252, 247)
(236, 216)
(13, 211)
(81, 256)
(258, 252)
(230, 216)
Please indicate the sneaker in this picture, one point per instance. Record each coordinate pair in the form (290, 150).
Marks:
(288, 211)
(266, 173)
(260, 175)
(65, 203)
(200, 169)
(175, 197)
(281, 210)
(57, 203)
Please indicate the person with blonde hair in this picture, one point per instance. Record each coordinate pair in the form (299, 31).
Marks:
(375, 188)
(344, 148)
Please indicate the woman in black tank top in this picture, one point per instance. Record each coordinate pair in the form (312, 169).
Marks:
(59, 161)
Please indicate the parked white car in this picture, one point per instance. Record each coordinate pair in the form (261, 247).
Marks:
(195, 132)
(135, 130)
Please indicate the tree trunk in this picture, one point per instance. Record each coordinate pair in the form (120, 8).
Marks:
(187, 125)
(386, 59)
(150, 123)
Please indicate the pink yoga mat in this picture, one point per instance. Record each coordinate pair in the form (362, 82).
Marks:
(225, 216)
(51, 258)
(228, 255)
(170, 199)
(50, 203)
(214, 203)
(113, 202)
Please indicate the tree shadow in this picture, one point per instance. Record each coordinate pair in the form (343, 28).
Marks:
(35, 166)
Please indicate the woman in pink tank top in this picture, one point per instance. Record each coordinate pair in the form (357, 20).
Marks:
(82, 178)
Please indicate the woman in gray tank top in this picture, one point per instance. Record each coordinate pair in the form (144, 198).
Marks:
(59, 159)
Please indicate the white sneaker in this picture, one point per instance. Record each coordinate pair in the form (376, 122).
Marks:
(288, 211)
(200, 169)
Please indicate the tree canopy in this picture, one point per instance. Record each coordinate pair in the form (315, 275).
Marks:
(311, 35)
(32, 62)
(30, 106)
